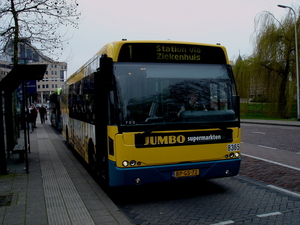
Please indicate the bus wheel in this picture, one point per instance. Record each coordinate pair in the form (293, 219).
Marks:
(92, 156)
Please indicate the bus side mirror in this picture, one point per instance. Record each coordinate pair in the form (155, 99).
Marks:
(236, 104)
(106, 72)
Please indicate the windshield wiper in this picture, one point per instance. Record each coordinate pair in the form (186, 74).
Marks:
(156, 128)
(154, 119)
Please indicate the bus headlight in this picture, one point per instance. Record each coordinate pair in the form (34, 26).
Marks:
(132, 163)
(233, 155)
(125, 163)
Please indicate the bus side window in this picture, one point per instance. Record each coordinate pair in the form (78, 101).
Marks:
(71, 100)
(111, 109)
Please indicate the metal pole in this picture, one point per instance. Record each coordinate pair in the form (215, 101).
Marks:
(3, 163)
(297, 61)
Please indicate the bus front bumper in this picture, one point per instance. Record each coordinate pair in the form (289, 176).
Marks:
(164, 173)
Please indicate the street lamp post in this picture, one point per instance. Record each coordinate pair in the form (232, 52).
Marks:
(297, 62)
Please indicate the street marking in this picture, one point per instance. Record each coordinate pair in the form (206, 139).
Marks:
(284, 190)
(269, 214)
(224, 222)
(266, 147)
(266, 160)
(258, 132)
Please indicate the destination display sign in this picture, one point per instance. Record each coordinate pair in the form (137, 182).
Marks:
(171, 53)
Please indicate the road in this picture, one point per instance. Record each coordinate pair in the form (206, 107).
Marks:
(278, 137)
(267, 191)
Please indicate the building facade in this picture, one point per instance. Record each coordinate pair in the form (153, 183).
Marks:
(53, 79)
(5, 67)
(55, 75)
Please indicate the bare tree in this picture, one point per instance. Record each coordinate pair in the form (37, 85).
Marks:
(35, 23)
(38, 21)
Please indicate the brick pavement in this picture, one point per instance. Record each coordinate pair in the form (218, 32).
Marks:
(237, 200)
(270, 173)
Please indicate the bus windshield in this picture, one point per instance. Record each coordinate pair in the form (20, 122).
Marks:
(158, 93)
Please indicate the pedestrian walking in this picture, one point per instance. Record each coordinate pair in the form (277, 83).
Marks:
(43, 113)
(35, 113)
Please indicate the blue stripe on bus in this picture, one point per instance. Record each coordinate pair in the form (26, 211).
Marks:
(156, 174)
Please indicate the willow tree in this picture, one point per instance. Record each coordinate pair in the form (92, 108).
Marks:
(274, 60)
(242, 71)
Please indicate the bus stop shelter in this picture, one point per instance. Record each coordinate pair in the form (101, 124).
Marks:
(16, 77)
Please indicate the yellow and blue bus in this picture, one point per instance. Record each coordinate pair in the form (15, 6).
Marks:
(54, 112)
(143, 112)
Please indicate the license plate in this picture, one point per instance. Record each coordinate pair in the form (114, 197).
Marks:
(186, 173)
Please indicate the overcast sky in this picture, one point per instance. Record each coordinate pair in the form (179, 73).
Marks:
(229, 22)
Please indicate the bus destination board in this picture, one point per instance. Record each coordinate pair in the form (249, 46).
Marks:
(171, 53)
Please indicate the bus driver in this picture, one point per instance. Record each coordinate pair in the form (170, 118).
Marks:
(193, 104)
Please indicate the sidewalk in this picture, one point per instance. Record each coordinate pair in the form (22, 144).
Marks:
(57, 189)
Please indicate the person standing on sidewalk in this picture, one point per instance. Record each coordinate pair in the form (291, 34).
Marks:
(31, 118)
(43, 112)
(35, 112)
